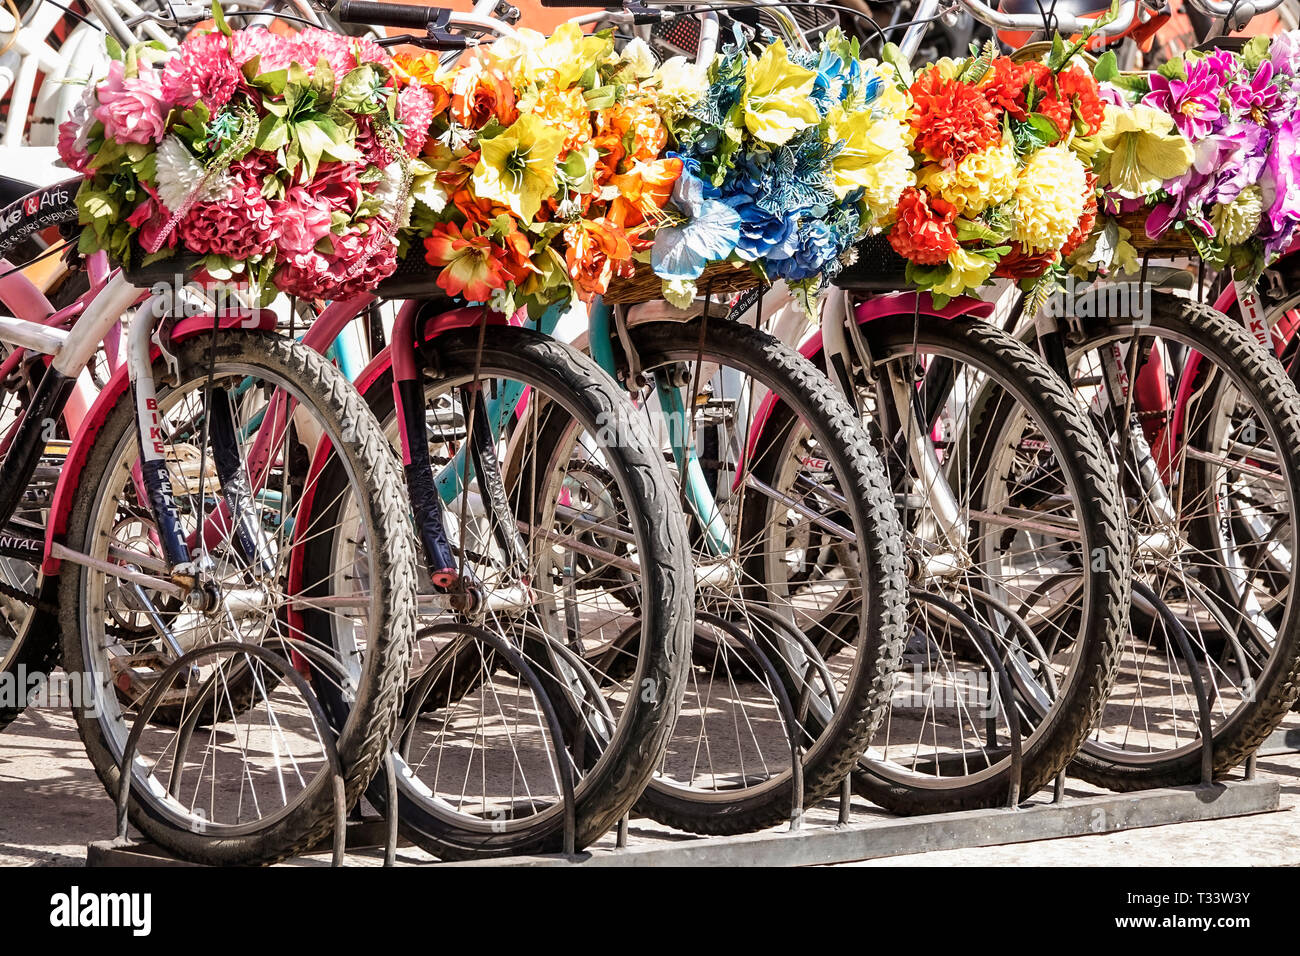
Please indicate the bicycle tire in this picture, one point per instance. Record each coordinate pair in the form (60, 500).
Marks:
(1276, 402)
(364, 742)
(666, 580)
(806, 395)
(1077, 446)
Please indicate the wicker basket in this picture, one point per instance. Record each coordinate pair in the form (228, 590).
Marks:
(720, 278)
(1175, 242)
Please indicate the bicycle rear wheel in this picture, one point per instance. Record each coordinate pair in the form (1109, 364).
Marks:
(810, 577)
(1211, 474)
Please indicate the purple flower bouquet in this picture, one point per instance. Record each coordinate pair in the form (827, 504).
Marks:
(1207, 149)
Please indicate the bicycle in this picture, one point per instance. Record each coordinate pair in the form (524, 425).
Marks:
(173, 522)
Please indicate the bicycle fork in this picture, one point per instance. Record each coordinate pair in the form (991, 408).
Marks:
(455, 578)
(845, 348)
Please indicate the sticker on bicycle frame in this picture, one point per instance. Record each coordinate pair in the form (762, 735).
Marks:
(36, 212)
(1251, 314)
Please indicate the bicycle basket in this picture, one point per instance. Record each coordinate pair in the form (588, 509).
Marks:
(878, 269)
(412, 279)
(1174, 242)
(719, 278)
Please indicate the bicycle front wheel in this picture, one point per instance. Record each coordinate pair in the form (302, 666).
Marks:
(1211, 473)
(797, 549)
(584, 616)
(1015, 531)
(239, 770)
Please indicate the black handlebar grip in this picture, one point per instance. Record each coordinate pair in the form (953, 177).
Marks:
(385, 14)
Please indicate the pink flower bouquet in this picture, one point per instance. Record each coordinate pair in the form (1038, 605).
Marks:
(278, 160)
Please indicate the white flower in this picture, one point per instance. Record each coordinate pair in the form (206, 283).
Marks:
(638, 56)
(682, 82)
(83, 115)
(179, 174)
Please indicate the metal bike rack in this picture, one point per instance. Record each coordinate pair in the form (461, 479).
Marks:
(816, 660)
(154, 698)
(783, 702)
(1002, 688)
(1198, 684)
(874, 835)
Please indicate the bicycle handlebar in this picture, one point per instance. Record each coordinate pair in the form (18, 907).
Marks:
(1241, 13)
(1066, 24)
(389, 14)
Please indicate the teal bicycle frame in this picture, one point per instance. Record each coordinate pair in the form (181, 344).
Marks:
(699, 496)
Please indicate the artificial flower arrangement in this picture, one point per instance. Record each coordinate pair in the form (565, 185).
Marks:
(555, 166)
(544, 173)
(280, 161)
(1205, 152)
(1002, 188)
(789, 159)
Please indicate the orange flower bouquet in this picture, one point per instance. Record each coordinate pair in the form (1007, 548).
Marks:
(542, 174)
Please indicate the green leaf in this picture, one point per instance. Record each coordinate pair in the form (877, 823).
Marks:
(219, 19)
(1037, 296)
(1173, 69)
(114, 48)
(976, 67)
(312, 142)
(368, 207)
(322, 80)
(110, 154)
(975, 231)
(159, 256)
(1034, 133)
(1136, 84)
(219, 267)
(892, 55)
(97, 206)
(272, 188)
(1058, 56)
(1107, 67)
(272, 133)
(1044, 127)
(1255, 51)
(358, 92)
(602, 97)
(147, 167)
(273, 82)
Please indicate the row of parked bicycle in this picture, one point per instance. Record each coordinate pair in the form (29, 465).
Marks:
(700, 561)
